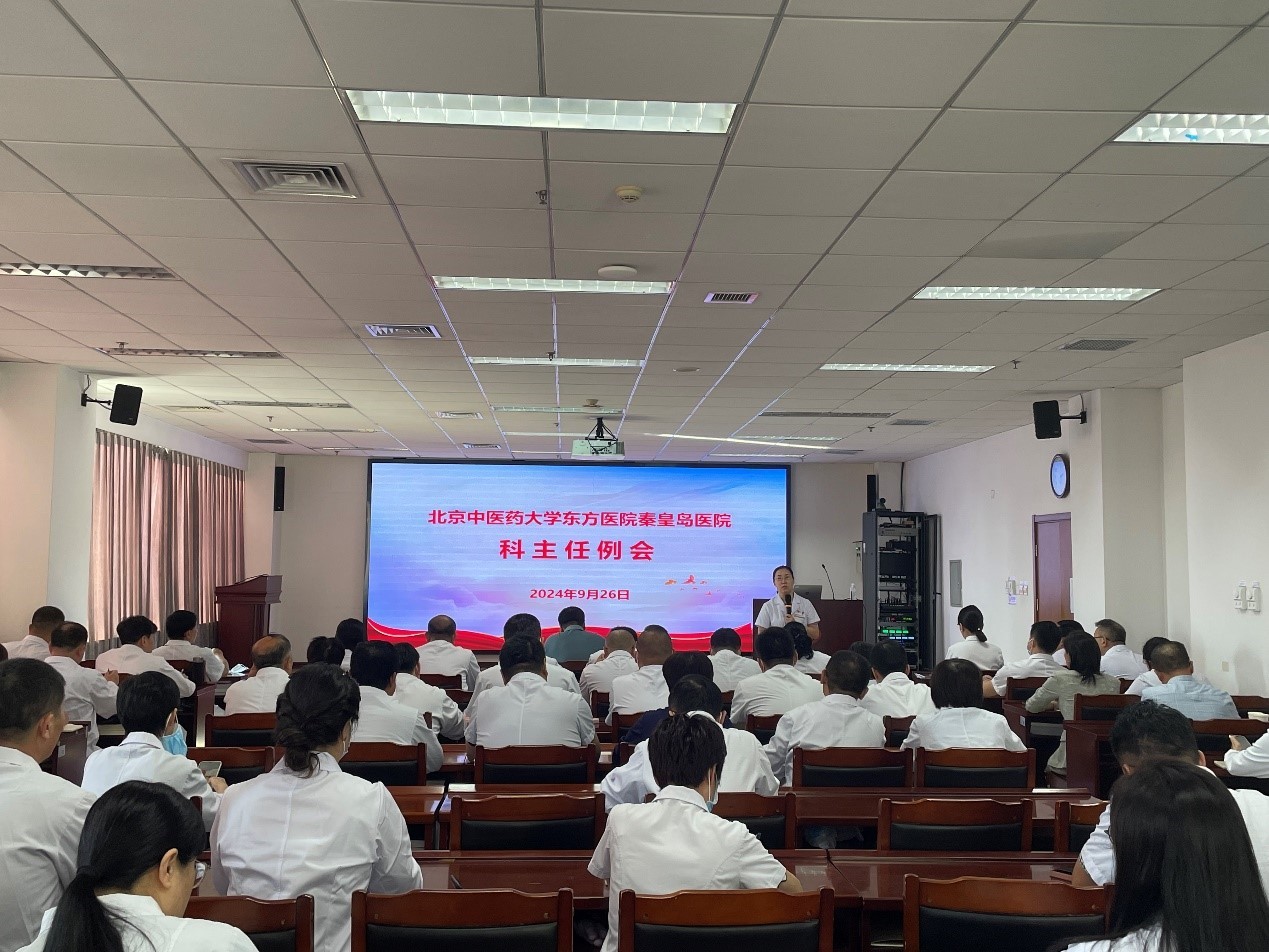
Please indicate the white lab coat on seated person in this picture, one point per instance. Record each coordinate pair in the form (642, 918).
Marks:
(731, 668)
(746, 770)
(982, 653)
(897, 695)
(674, 843)
(446, 658)
(1139, 940)
(641, 691)
(816, 663)
(777, 690)
(599, 675)
(1252, 762)
(32, 646)
(835, 720)
(178, 649)
(282, 834)
(557, 676)
(1120, 661)
(132, 659)
(1038, 665)
(384, 719)
(257, 694)
(950, 727)
(88, 694)
(528, 712)
(140, 756)
(144, 927)
(447, 719)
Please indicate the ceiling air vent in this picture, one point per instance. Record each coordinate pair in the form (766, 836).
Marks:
(1094, 343)
(458, 415)
(327, 179)
(482, 446)
(828, 414)
(911, 423)
(403, 330)
(842, 452)
(731, 297)
(269, 442)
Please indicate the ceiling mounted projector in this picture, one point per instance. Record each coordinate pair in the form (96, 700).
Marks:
(599, 444)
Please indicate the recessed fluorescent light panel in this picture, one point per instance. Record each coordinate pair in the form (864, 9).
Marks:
(85, 271)
(912, 368)
(733, 439)
(541, 112)
(596, 411)
(757, 455)
(181, 352)
(1033, 294)
(555, 361)
(800, 439)
(283, 404)
(1211, 128)
(320, 429)
(545, 433)
(552, 285)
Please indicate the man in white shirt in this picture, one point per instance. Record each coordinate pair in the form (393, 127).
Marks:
(836, 720)
(618, 659)
(270, 673)
(382, 717)
(524, 625)
(786, 605)
(1248, 760)
(526, 711)
(895, 694)
(1118, 660)
(746, 770)
(89, 693)
(147, 710)
(780, 687)
(441, 656)
(1045, 638)
(447, 719)
(38, 633)
(41, 815)
(730, 666)
(1145, 732)
(674, 842)
(182, 632)
(133, 656)
(645, 689)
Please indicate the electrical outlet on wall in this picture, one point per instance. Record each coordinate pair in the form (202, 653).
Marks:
(1254, 597)
(1240, 597)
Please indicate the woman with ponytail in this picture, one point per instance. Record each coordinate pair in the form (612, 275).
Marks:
(135, 875)
(974, 645)
(306, 827)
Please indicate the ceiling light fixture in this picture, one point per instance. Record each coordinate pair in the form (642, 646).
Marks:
(545, 433)
(1207, 128)
(322, 429)
(1032, 294)
(541, 112)
(85, 271)
(596, 411)
(758, 455)
(183, 352)
(912, 369)
(733, 439)
(552, 285)
(556, 361)
(804, 439)
(281, 404)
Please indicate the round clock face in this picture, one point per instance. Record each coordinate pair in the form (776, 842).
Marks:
(1060, 476)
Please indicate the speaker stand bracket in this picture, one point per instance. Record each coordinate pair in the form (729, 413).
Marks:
(1082, 416)
(85, 399)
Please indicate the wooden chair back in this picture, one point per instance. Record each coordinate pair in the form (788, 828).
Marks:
(954, 826)
(459, 697)
(393, 765)
(241, 730)
(622, 753)
(852, 767)
(537, 765)
(975, 767)
(1250, 702)
(623, 722)
(494, 919)
(445, 682)
(1102, 707)
(1019, 689)
(771, 819)
(718, 920)
(236, 763)
(195, 670)
(1213, 736)
(557, 821)
(576, 666)
(762, 726)
(277, 925)
(1074, 824)
(728, 695)
(599, 701)
(897, 729)
(1018, 914)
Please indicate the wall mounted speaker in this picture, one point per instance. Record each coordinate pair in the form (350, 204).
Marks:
(279, 489)
(872, 492)
(1047, 415)
(125, 405)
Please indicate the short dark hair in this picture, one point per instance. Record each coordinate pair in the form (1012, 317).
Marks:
(889, 657)
(1147, 650)
(1148, 731)
(725, 639)
(323, 650)
(956, 683)
(775, 571)
(572, 615)
(29, 690)
(681, 664)
(775, 645)
(802, 643)
(1083, 656)
(373, 664)
(1069, 625)
(350, 632)
(133, 628)
(277, 651)
(146, 701)
(1047, 636)
(442, 627)
(971, 619)
(864, 649)
(1171, 656)
(693, 692)
(4, 653)
(847, 673)
(47, 616)
(521, 655)
(653, 643)
(68, 636)
(318, 702)
(407, 657)
(522, 625)
(180, 623)
(683, 750)
(1115, 631)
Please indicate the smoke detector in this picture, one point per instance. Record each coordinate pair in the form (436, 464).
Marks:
(629, 194)
(618, 272)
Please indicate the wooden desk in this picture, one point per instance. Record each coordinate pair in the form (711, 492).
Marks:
(419, 805)
(1041, 731)
(859, 806)
(457, 766)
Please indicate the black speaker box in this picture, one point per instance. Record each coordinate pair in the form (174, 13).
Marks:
(279, 489)
(1048, 419)
(125, 405)
(872, 492)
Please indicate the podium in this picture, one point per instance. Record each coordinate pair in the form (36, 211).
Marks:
(841, 621)
(242, 615)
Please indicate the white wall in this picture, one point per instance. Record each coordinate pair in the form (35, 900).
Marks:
(1175, 530)
(1227, 486)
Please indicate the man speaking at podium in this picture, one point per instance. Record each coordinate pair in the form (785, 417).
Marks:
(787, 606)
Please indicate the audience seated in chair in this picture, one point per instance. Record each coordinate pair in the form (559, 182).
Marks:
(678, 666)
(181, 629)
(1151, 679)
(383, 718)
(1044, 639)
(350, 633)
(1118, 660)
(645, 689)
(1083, 676)
(974, 645)
(135, 653)
(573, 642)
(270, 670)
(38, 635)
(780, 687)
(618, 659)
(414, 692)
(810, 661)
(323, 650)
(957, 690)
(1179, 687)
(895, 694)
(524, 624)
(89, 693)
(730, 666)
(441, 656)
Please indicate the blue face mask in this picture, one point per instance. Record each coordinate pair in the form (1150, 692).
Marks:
(712, 801)
(174, 743)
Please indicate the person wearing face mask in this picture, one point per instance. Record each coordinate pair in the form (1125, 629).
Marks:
(675, 842)
(306, 827)
(137, 868)
(154, 748)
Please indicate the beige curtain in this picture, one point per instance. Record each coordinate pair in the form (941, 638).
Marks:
(167, 529)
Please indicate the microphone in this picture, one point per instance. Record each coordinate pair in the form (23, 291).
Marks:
(832, 590)
(788, 604)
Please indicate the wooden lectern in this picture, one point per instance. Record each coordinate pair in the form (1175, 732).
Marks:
(242, 615)
(841, 622)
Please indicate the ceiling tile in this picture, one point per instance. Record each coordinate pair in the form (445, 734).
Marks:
(487, 183)
(35, 108)
(1141, 158)
(1130, 273)
(45, 44)
(1236, 275)
(77, 249)
(1235, 81)
(326, 221)
(119, 170)
(1244, 201)
(1148, 11)
(909, 9)
(591, 186)
(1008, 272)
(1214, 242)
(744, 190)
(1143, 198)
(828, 137)
(768, 234)
(172, 217)
(906, 236)
(651, 265)
(746, 269)
(28, 211)
(878, 270)
(615, 231)
(484, 227)
(217, 254)
(956, 195)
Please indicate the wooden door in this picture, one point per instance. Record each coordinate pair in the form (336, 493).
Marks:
(1052, 547)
